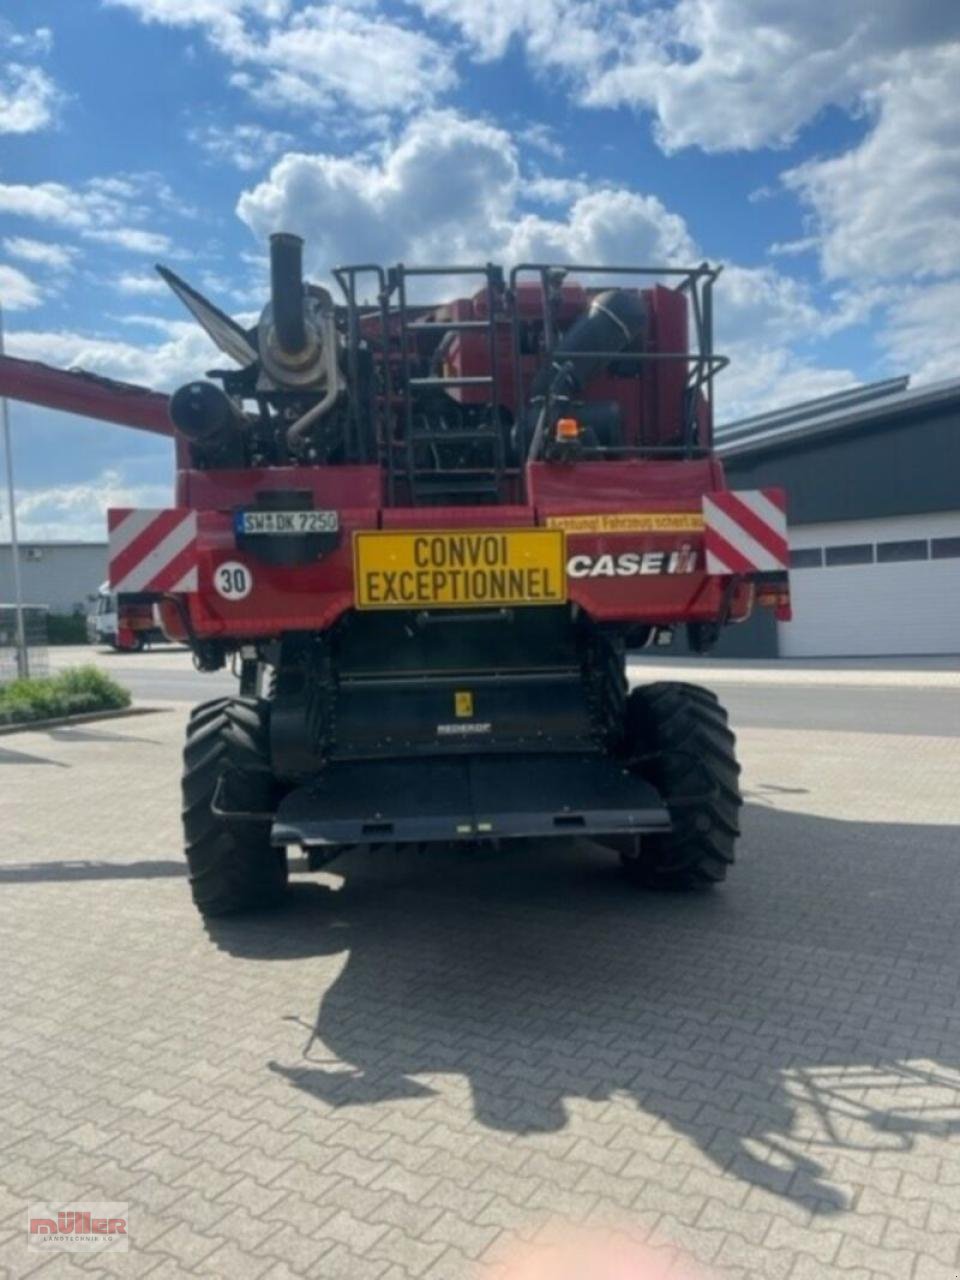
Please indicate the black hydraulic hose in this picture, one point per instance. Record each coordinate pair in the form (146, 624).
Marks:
(286, 292)
(613, 321)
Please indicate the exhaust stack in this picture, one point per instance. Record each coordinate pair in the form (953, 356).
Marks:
(286, 296)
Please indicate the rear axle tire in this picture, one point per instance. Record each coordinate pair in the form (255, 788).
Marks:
(677, 736)
(232, 865)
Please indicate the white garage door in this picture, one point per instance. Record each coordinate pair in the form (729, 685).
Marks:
(875, 587)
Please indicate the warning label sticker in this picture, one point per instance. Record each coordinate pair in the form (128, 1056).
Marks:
(630, 522)
(453, 570)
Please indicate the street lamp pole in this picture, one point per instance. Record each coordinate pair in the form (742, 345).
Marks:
(23, 662)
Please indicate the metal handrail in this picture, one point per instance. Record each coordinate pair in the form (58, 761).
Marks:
(702, 364)
(346, 277)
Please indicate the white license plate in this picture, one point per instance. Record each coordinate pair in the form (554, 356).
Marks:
(286, 522)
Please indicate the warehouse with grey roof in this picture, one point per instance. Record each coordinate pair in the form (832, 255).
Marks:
(873, 483)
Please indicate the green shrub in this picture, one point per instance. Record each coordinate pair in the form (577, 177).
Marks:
(69, 693)
(66, 628)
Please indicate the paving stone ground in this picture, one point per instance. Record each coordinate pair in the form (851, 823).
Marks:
(427, 1057)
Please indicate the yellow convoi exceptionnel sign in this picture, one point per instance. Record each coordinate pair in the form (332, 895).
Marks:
(437, 569)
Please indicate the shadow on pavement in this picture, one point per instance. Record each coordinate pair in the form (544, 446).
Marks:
(78, 733)
(801, 1013)
(7, 756)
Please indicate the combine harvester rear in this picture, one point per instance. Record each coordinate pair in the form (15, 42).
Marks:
(428, 535)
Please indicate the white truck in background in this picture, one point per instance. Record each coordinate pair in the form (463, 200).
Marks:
(126, 623)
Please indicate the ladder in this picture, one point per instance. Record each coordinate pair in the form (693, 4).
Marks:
(428, 484)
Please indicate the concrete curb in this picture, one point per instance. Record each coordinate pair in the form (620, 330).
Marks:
(88, 717)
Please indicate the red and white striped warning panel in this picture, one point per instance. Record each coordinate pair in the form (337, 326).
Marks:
(153, 549)
(745, 531)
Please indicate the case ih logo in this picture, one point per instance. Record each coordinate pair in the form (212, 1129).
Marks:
(84, 1228)
(631, 564)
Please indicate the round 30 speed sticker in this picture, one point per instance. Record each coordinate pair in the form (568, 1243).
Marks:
(232, 580)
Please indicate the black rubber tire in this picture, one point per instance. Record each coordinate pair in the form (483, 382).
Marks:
(698, 776)
(203, 710)
(232, 865)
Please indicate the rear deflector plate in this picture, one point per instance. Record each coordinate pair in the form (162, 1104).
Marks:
(468, 798)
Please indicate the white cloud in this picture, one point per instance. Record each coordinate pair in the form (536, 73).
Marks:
(107, 210)
(333, 53)
(920, 333)
(447, 187)
(760, 378)
(29, 99)
(793, 248)
(569, 34)
(78, 512)
(719, 74)
(163, 365)
(759, 316)
(450, 188)
(315, 57)
(555, 190)
(133, 239)
(891, 206)
(140, 285)
(542, 138)
(761, 305)
(610, 225)
(220, 15)
(58, 257)
(17, 291)
(185, 13)
(101, 209)
(244, 146)
(50, 202)
(28, 44)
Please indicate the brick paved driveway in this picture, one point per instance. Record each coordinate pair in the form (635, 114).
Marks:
(427, 1055)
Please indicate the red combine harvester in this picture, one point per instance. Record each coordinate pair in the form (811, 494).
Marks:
(427, 535)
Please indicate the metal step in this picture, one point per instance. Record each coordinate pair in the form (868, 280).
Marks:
(457, 436)
(468, 798)
(441, 326)
(454, 482)
(484, 381)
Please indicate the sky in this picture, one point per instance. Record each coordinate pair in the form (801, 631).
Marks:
(811, 148)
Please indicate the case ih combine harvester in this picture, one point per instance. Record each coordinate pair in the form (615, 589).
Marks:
(427, 536)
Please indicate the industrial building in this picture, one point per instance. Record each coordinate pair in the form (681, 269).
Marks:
(63, 576)
(873, 484)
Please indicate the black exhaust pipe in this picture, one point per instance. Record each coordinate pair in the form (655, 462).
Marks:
(204, 414)
(286, 292)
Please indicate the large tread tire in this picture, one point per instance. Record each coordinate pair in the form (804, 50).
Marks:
(232, 865)
(680, 740)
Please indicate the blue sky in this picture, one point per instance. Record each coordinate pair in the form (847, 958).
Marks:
(813, 149)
